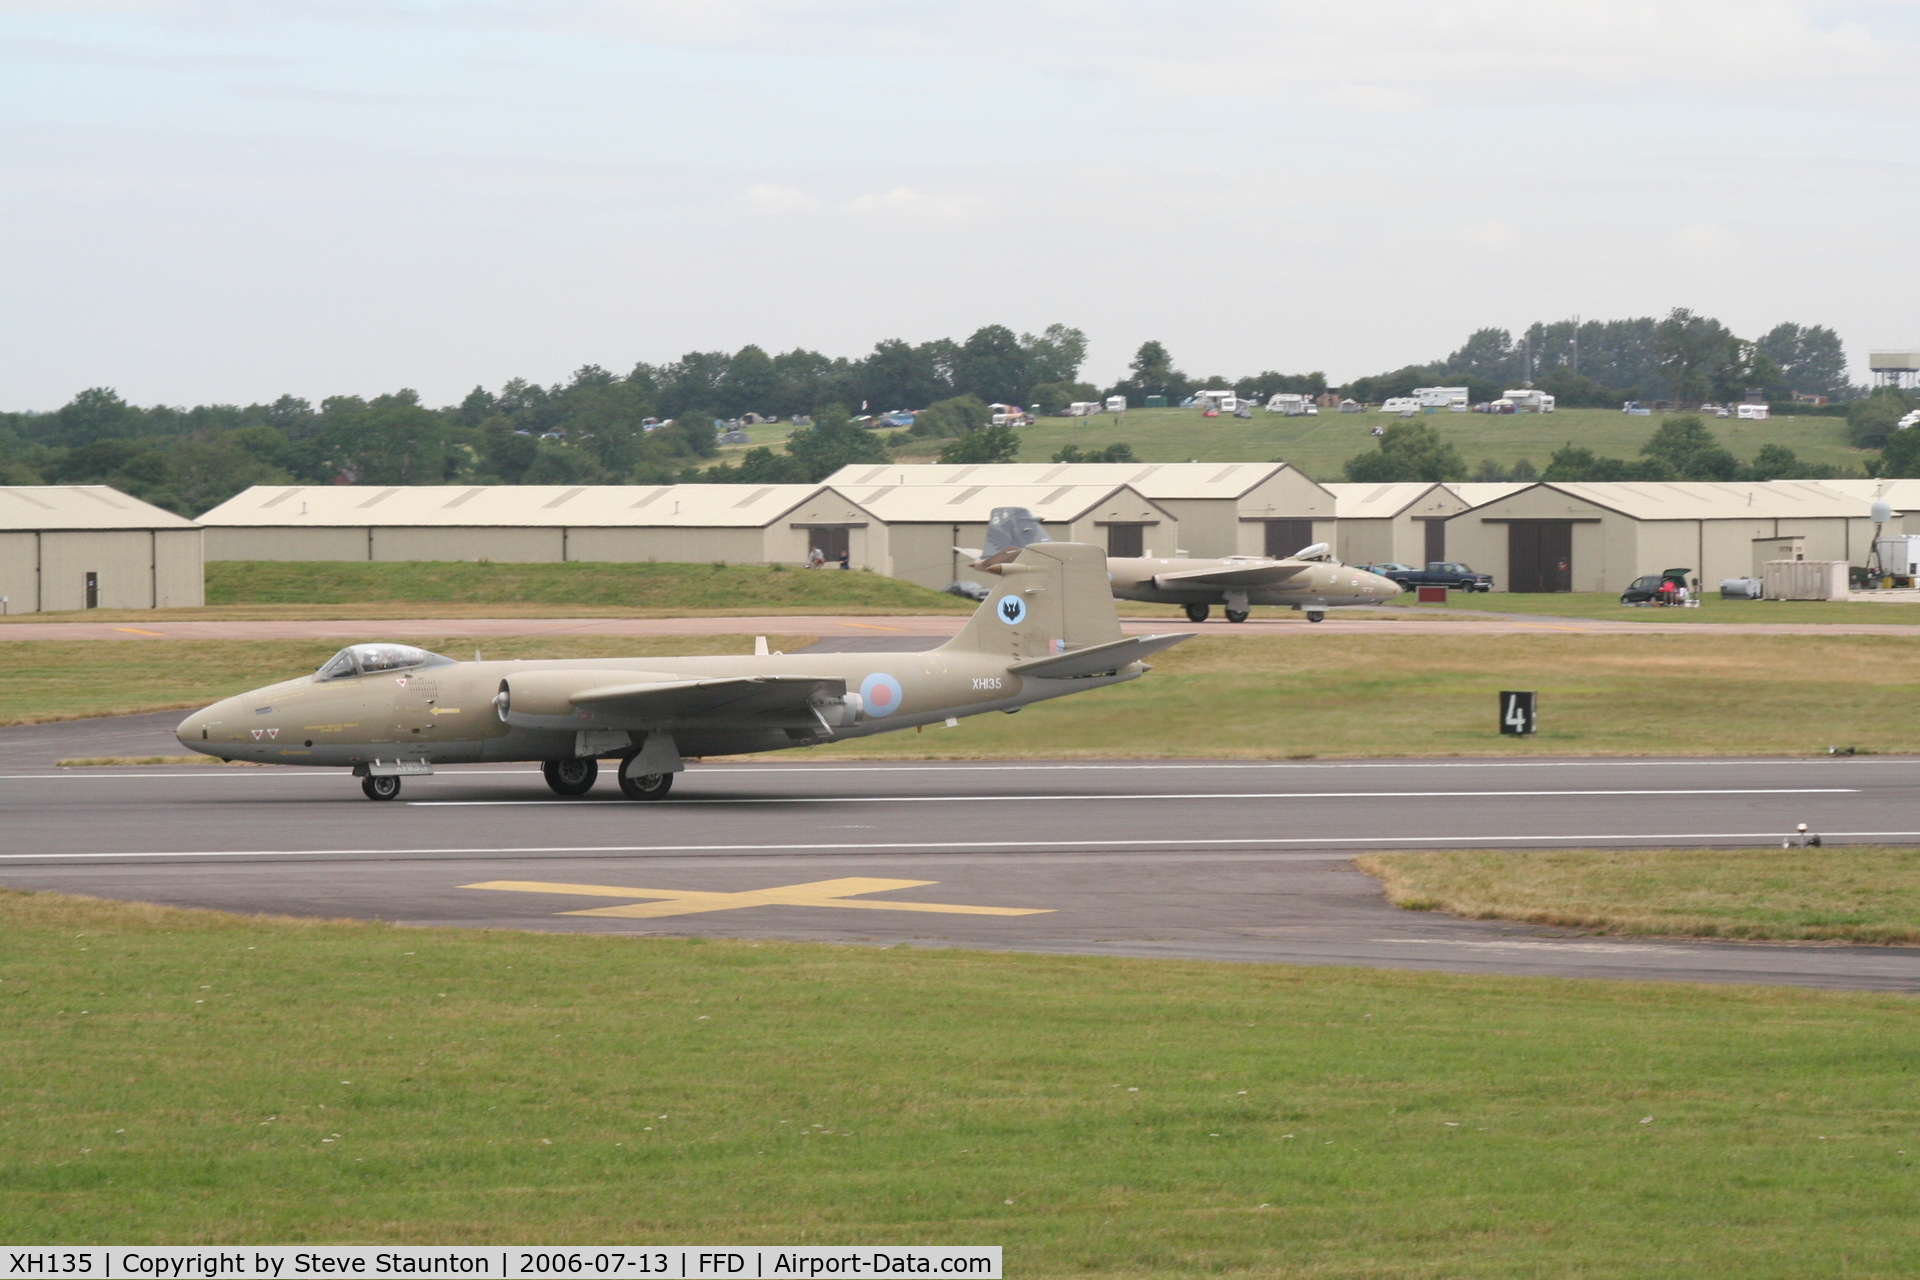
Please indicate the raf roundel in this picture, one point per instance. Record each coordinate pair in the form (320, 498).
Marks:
(1012, 610)
(880, 693)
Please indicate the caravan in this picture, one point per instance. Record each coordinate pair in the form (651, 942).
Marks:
(1294, 406)
(1405, 406)
(1528, 401)
(1450, 398)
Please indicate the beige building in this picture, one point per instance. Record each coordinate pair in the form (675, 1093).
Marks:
(925, 523)
(89, 546)
(735, 523)
(1600, 537)
(1223, 508)
(1393, 523)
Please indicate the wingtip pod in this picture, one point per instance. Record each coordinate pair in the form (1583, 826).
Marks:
(1053, 597)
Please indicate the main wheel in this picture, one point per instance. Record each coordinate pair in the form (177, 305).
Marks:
(1238, 615)
(1316, 615)
(571, 777)
(380, 786)
(1198, 612)
(644, 786)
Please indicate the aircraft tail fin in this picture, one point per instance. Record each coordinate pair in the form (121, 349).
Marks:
(1053, 598)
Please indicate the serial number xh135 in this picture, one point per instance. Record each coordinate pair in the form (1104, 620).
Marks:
(388, 711)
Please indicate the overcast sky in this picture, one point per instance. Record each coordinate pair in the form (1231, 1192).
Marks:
(208, 201)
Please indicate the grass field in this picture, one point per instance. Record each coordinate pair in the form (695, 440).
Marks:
(1320, 445)
(1251, 697)
(1606, 604)
(186, 1077)
(1855, 893)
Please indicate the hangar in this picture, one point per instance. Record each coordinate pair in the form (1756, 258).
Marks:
(739, 524)
(1563, 536)
(93, 547)
(1223, 508)
(1403, 523)
(924, 524)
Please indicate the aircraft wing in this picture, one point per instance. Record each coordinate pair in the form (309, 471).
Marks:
(1096, 660)
(1252, 575)
(730, 698)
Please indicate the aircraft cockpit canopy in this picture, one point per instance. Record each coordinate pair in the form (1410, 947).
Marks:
(367, 659)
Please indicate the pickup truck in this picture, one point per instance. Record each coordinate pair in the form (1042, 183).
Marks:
(1440, 573)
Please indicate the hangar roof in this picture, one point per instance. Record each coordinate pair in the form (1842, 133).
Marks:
(1385, 501)
(1476, 492)
(80, 506)
(1903, 495)
(973, 504)
(523, 505)
(1149, 479)
(1705, 500)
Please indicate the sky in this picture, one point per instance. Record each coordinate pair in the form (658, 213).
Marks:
(220, 201)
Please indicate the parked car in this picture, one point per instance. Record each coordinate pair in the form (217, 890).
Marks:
(1388, 570)
(1440, 573)
(1647, 590)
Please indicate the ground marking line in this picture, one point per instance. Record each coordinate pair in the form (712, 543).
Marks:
(868, 626)
(138, 632)
(687, 902)
(1382, 842)
(1190, 795)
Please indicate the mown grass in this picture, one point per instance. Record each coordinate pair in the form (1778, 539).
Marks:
(1854, 893)
(1253, 697)
(1712, 609)
(1321, 445)
(188, 1077)
(649, 589)
(71, 679)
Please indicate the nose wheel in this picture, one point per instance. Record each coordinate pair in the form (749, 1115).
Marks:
(1316, 615)
(1238, 615)
(380, 787)
(571, 777)
(643, 786)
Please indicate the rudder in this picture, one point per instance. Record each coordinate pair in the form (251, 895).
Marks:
(1054, 598)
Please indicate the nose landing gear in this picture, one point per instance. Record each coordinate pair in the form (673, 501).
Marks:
(1316, 615)
(571, 777)
(1237, 615)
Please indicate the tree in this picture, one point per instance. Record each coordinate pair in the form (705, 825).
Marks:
(96, 414)
(1685, 445)
(1117, 452)
(1810, 361)
(1152, 374)
(992, 365)
(1777, 462)
(991, 444)
(899, 376)
(1573, 463)
(1871, 422)
(1408, 451)
(1056, 355)
(1487, 354)
(759, 465)
(832, 442)
(1900, 460)
(1051, 399)
(1694, 353)
(955, 416)
(747, 386)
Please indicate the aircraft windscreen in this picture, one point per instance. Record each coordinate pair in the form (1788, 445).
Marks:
(365, 659)
(1009, 528)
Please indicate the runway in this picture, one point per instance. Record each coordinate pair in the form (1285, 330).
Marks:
(1215, 860)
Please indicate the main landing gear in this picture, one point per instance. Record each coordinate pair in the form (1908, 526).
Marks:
(380, 786)
(1316, 615)
(643, 786)
(571, 777)
(1237, 615)
(1198, 612)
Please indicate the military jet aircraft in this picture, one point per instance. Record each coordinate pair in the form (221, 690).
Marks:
(389, 711)
(1310, 580)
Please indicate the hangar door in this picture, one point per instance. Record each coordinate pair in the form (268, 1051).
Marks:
(1288, 537)
(1540, 555)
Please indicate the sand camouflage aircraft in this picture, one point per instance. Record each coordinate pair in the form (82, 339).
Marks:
(1310, 580)
(388, 711)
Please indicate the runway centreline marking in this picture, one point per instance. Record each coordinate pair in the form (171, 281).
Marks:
(1181, 795)
(1384, 842)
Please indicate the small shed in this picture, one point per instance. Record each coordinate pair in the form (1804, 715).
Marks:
(735, 523)
(926, 522)
(93, 547)
(1223, 508)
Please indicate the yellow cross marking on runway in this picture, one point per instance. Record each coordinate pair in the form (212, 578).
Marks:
(687, 902)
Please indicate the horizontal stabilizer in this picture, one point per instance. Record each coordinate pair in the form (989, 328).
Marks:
(1097, 659)
(731, 697)
(1248, 575)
